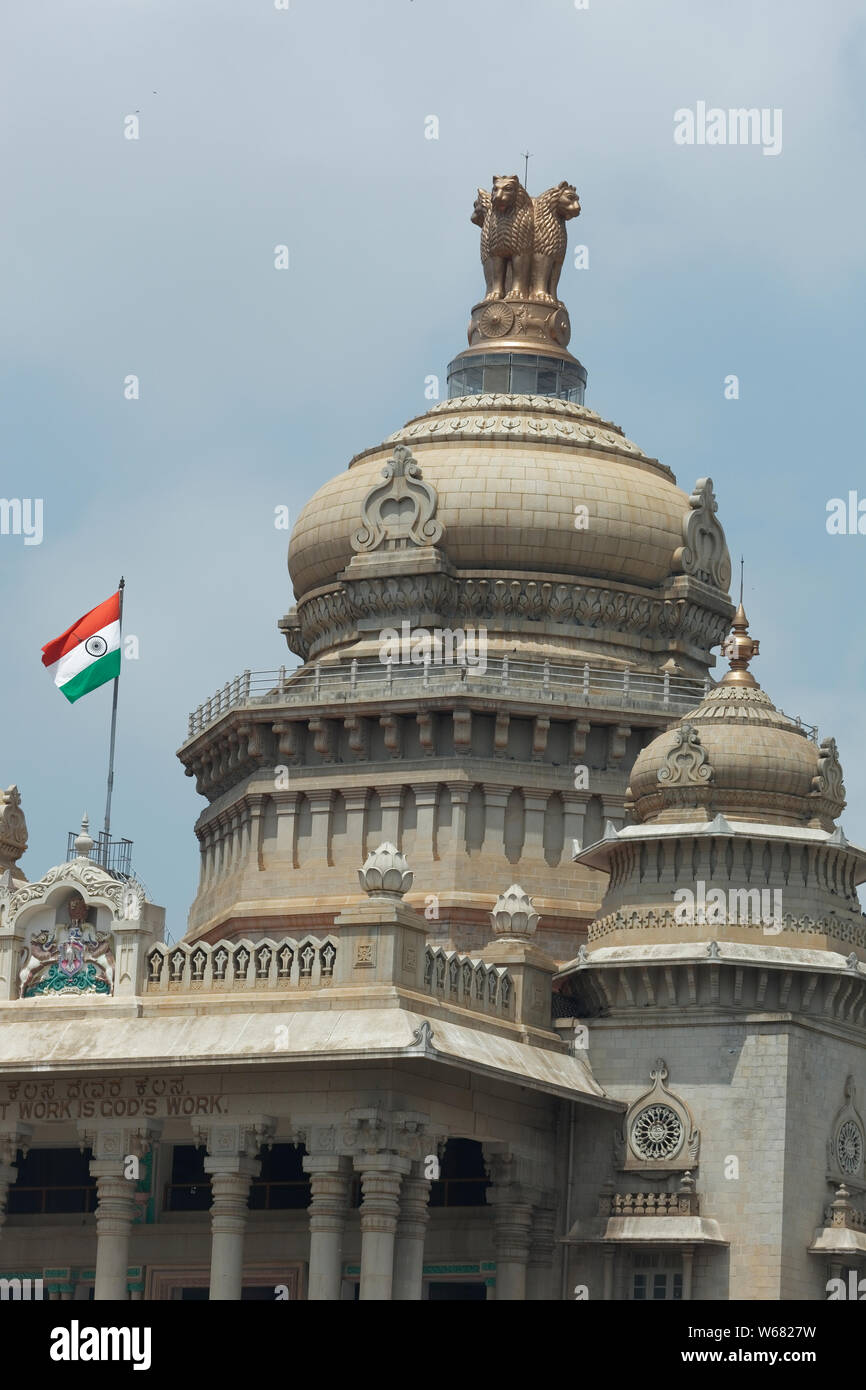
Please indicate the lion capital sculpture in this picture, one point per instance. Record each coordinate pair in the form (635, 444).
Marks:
(523, 239)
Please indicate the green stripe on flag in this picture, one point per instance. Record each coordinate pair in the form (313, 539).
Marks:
(105, 669)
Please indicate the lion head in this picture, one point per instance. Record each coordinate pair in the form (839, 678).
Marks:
(505, 190)
(479, 209)
(566, 204)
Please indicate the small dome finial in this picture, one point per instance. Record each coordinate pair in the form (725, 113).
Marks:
(739, 648)
(84, 842)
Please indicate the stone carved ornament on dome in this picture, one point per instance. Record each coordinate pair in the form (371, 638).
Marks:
(658, 1132)
(13, 827)
(399, 512)
(704, 552)
(827, 783)
(686, 760)
(846, 1146)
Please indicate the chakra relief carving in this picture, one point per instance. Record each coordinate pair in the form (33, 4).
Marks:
(658, 1131)
(845, 1148)
(704, 553)
(686, 760)
(399, 512)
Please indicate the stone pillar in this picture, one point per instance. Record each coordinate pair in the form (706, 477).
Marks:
(391, 799)
(411, 1230)
(320, 799)
(232, 1164)
(540, 1272)
(459, 800)
(116, 1205)
(512, 1224)
(425, 805)
(356, 804)
(495, 802)
(330, 1179)
(12, 1139)
(574, 812)
(535, 805)
(688, 1263)
(287, 810)
(384, 1144)
(381, 1174)
(608, 1256)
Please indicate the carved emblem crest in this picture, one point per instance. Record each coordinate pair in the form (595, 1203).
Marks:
(704, 552)
(827, 782)
(686, 760)
(399, 512)
(67, 960)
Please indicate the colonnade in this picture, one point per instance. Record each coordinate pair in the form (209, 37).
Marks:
(390, 1159)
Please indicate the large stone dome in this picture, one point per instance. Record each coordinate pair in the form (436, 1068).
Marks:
(522, 487)
(509, 472)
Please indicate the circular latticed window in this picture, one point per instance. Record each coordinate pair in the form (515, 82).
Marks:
(656, 1132)
(849, 1147)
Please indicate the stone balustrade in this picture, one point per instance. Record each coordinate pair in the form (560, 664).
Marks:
(648, 1204)
(370, 679)
(242, 964)
(468, 983)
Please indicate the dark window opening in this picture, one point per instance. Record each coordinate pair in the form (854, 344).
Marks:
(53, 1181)
(282, 1184)
(462, 1180)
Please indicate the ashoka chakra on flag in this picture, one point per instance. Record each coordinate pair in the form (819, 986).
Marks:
(87, 654)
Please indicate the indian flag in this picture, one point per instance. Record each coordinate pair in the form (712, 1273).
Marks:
(87, 654)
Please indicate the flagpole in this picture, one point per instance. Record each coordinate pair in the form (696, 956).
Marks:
(120, 589)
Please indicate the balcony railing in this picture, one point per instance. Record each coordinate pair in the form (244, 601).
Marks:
(367, 678)
(648, 1204)
(370, 679)
(115, 856)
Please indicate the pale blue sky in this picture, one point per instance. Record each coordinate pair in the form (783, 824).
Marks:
(306, 127)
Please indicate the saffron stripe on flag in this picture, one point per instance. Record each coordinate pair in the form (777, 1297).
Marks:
(105, 669)
(92, 622)
(79, 658)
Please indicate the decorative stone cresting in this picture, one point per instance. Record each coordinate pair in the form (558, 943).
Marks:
(704, 553)
(386, 873)
(400, 512)
(514, 914)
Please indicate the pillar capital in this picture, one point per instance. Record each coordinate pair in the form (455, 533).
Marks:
(238, 1141)
(375, 1131)
(111, 1145)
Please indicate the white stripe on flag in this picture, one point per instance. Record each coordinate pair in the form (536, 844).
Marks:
(79, 658)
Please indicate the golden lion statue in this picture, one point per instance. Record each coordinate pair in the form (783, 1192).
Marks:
(523, 239)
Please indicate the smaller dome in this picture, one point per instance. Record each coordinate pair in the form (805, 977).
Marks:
(736, 755)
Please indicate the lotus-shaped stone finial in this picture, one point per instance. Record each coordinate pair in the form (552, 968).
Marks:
(386, 873)
(514, 913)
